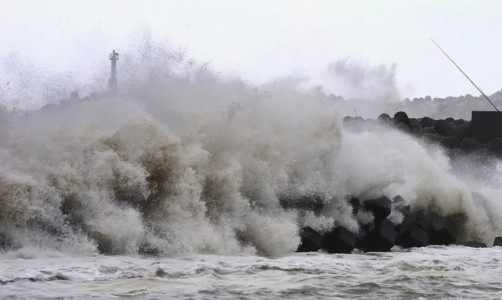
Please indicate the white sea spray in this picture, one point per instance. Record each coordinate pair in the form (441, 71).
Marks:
(185, 161)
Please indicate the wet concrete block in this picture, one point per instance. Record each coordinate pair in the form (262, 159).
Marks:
(368, 227)
(427, 122)
(475, 244)
(385, 119)
(403, 127)
(415, 125)
(399, 205)
(361, 240)
(380, 207)
(415, 218)
(445, 141)
(444, 128)
(339, 240)
(497, 241)
(450, 129)
(402, 117)
(470, 145)
(413, 236)
(460, 122)
(381, 238)
(428, 130)
(310, 240)
(495, 147)
(439, 231)
(353, 121)
(442, 237)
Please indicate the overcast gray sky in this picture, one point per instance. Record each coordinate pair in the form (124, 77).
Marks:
(260, 40)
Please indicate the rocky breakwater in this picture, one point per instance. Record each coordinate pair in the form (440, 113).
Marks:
(392, 224)
(382, 232)
(455, 135)
(392, 221)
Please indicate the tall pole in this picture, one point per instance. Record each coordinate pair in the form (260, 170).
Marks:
(486, 97)
(112, 82)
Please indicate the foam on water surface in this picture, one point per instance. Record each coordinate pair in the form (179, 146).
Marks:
(426, 273)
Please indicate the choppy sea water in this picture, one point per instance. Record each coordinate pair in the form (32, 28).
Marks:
(428, 273)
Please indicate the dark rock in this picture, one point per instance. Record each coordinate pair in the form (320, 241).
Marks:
(380, 207)
(497, 241)
(413, 236)
(475, 244)
(380, 239)
(310, 240)
(339, 240)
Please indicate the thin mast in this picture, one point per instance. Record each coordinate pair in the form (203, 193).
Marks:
(486, 97)
(112, 82)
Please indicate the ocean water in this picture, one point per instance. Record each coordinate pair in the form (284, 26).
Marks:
(454, 272)
(173, 188)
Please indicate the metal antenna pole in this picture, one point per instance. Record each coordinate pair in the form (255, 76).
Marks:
(112, 82)
(486, 97)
